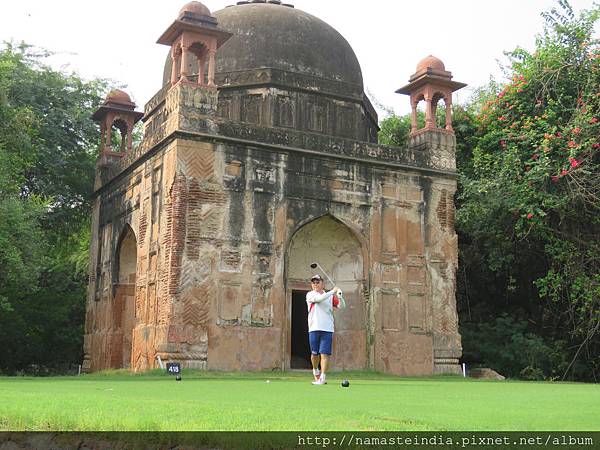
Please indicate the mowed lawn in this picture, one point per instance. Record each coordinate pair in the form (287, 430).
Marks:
(247, 402)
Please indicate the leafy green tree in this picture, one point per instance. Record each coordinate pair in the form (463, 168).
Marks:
(21, 238)
(48, 145)
(394, 130)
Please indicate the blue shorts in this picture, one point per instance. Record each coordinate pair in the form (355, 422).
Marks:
(320, 342)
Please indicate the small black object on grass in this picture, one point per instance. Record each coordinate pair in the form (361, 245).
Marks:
(178, 378)
(345, 383)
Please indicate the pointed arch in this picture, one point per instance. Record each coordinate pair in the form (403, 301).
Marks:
(342, 252)
(351, 228)
(126, 257)
(123, 308)
(118, 135)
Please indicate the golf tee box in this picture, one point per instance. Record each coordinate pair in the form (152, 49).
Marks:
(173, 368)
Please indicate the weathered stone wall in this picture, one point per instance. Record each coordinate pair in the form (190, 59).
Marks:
(133, 201)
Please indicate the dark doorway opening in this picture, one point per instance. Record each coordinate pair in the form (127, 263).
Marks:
(300, 348)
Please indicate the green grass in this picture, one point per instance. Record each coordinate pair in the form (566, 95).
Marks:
(246, 402)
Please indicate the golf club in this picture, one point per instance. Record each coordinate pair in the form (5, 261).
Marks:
(315, 265)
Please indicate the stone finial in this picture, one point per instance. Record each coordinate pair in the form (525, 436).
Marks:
(431, 82)
(194, 33)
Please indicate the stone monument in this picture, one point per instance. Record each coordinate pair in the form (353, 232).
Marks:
(260, 156)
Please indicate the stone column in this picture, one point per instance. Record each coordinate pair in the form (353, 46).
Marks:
(211, 67)
(103, 136)
(429, 119)
(448, 100)
(184, 63)
(201, 63)
(175, 66)
(413, 127)
(129, 135)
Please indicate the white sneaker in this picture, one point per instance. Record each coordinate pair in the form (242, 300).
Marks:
(320, 381)
(316, 374)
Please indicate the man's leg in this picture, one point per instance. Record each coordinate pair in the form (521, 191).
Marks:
(314, 359)
(313, 339)
(324, 363)
(325, 345)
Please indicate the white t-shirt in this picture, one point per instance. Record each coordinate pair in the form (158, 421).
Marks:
(320, 311)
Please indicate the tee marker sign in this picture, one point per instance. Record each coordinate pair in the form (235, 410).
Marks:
(173, 368)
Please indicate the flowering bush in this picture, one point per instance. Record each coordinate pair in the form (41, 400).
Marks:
(530, 201)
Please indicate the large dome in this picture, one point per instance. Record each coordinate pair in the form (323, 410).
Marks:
(282, 37)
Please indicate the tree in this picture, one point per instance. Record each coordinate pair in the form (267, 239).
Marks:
(528, 214)
(21, 240)
(47, 158)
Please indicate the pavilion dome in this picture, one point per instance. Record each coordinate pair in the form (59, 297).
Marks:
(431, 62)
(118, 96)
(195, 8)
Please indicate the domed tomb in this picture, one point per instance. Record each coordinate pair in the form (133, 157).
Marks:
(317, 75)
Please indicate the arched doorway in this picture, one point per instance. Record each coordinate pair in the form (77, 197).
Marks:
(124, 300)
(336, 248)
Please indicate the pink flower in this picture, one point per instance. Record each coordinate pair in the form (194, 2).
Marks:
(555, 179)
(596, 145)
(572, 144)
(564, 172)
(574, 162)
(530, 216)
(558, 134)
(576, 130)
(501, 118)
(594, 120)
(502, 143)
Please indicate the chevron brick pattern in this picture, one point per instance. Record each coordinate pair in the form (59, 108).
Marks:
(204, 215)
(203, 225)
(193, 273)
(196, 306)
(196, 163)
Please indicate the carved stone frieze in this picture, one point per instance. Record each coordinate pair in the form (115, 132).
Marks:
(420, 157)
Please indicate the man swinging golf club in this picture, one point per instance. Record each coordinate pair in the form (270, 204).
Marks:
(320, 325)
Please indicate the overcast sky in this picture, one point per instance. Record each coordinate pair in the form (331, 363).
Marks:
(116, 39)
